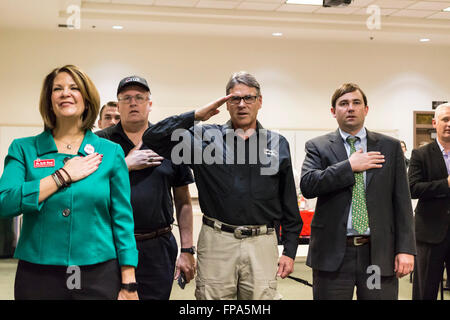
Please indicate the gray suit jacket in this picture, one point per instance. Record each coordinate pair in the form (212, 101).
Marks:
(327, 175)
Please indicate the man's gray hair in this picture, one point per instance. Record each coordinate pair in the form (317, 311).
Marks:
(245, 78)
(440, 109)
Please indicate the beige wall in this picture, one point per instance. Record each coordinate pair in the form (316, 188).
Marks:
(297, 76)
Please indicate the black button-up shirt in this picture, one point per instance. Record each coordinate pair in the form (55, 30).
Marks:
(151, 196)
(230, 180)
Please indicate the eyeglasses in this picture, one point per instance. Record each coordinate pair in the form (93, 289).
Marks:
(235, 100)
(138, 98)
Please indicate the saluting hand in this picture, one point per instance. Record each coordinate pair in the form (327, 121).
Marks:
(211, 109)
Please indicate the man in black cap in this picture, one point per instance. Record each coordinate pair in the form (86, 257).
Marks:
(152, 179)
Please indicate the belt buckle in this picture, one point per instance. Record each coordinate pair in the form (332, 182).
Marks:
(238, 232)
(355, 243)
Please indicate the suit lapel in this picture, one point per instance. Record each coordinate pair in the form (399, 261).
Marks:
(372, 145)
(337, 146)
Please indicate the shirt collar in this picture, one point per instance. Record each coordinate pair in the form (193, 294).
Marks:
(440, 147)
(362, 134)
(46, 143)
(118, 129)
(229, 126)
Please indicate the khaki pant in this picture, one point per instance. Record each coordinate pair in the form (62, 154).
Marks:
(230, 268)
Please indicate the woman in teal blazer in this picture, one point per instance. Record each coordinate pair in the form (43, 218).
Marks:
(73, 190)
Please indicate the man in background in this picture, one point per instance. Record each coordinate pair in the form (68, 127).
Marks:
(429, 180)
(109, 115)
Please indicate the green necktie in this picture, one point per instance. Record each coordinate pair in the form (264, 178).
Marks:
(360, 219)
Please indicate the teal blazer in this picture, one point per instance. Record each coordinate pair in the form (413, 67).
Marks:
(87, 223)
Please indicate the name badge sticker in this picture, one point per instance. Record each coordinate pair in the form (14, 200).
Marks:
(48, 163)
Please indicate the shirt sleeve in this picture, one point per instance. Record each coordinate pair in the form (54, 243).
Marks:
(17, 195)
(122, 213)
(183, 176)
(159, 136)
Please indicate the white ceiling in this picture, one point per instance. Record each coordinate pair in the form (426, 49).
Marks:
(401, 20)
(410, 8)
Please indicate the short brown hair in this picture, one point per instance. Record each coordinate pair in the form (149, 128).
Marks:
(87, 89)
(244, 78)
(344, 89)
(111, 104)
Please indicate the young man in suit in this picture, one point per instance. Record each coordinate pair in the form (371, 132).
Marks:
(362, 232)
(429, 180)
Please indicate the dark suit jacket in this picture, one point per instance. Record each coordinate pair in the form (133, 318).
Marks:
(428, 183)
(327, 175)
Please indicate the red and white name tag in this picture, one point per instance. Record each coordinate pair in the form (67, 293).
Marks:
(44, 163)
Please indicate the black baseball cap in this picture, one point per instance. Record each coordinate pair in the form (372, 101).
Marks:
(132, 80)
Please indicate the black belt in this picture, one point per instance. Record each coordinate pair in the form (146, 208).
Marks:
(239, 232)
(153, 234)
(355, 241)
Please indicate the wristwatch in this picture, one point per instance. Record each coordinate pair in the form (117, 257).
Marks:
(131, 287)
(190, 250)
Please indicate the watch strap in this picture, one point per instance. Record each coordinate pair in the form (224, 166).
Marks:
(190, 250)
(131, 287)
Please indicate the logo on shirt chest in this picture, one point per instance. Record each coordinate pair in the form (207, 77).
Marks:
(270, 153)
(48, 163)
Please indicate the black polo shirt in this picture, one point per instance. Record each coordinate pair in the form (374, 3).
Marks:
(151, 196)
(234, 192)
